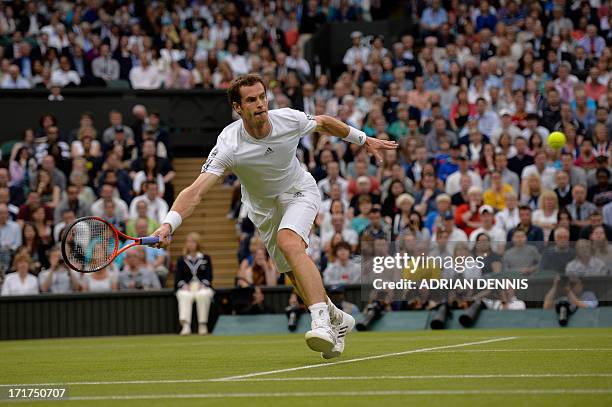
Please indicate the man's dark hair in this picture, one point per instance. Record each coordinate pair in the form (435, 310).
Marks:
(233, 92)
(341, 245)
(525, 208)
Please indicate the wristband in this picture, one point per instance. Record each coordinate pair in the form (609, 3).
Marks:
(356, 136)
(174, 219)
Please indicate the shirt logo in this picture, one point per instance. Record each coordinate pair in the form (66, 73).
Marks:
(298, 194)
(268, 151)
(309, 117)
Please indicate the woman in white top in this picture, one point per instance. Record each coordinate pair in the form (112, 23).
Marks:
(150, 172)
(508, 218)
(20, 282)
(545, 216)
(101, 281)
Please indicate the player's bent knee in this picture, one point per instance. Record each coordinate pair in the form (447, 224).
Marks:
(289, 242)
(183, 294)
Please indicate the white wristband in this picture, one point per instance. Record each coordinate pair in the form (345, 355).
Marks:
(356, 136)
(174, 219)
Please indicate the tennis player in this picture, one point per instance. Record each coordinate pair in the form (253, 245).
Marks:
(282, 198)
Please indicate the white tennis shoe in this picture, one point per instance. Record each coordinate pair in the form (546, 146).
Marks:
(341, 328)
(321, 337)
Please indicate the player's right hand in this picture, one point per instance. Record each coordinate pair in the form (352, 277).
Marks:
(163, 232)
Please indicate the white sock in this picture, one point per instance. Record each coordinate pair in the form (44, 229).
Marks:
(319, 311)
(334, 312)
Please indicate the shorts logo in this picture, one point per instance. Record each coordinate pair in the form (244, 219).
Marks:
(298, 194)
(268, 151)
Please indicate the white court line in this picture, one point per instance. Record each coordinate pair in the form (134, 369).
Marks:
(525, 350)
(385, 355)
(345, 394)
(222, 379)
(288, 379)
(426, 377)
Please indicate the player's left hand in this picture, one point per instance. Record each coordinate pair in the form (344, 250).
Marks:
(374, 146)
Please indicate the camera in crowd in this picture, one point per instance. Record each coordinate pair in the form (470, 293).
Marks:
(373, 312)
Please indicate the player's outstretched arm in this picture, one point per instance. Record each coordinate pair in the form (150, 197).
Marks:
(184, 204)
(374, 146)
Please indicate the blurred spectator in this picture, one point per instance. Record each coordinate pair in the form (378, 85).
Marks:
(104, 280)
(57, 279)
(193, 282)
(21, 282)
(71, 201)
(107, 193)
(136, 275)
(10, 231)
(142, 212)
(573, 290)
(145, 75)
(262, 272)
(343, 270)
(585, 264)
(521, 258)
(157, 208)
(105, 67)
(14, 80)
(156, 259)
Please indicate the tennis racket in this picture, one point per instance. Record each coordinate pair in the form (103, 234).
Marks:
(91, 243)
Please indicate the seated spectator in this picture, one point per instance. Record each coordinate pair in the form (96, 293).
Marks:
(157, 208)
(601, 245)
(455, 235)
(109, 136)
(580, 209)
(533, 233)
(58, 279)
(152, 224)
(262, 272)
(5, 199)
(102, 281)
(14, 80)
(71, 201)
(135, 274)
(81, 180)
(105, 67)
(573, 290)
(585, 263)
(545, 216)
(86, 144)
(21, 282)
(22, 163)
(48, 191)
(343, 270)
(149, 173)
(522, 258)
(193, 282)
(376, 227)
(361, 221)
(106, 194)
(68, 216)
(558, 254)
(496, 194)
(43, 227)
(156, 259)
(492, 258)
(64, 75)
(145, 75)
(339, 225)
(10, 231)
(496, 235)
(467, 216)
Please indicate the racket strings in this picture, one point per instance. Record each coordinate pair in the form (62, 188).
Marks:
(90, 244)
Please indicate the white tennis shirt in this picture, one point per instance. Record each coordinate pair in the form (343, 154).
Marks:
(266, 167)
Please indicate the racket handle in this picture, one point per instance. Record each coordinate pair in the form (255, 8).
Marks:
(149, 240)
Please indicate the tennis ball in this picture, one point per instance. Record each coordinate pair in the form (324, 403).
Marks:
(556, 139)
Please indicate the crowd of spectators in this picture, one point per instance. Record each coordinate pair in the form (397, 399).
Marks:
(471, 96)
(100, 166)
(151, 45)
(471, 92)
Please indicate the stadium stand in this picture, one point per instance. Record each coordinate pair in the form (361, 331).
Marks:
(470, 90)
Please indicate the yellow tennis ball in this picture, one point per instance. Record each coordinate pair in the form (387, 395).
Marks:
(556, 139)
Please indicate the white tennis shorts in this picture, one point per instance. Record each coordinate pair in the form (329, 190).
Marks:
(295, 209)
